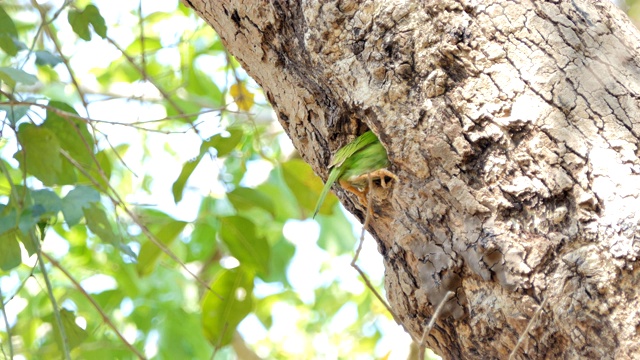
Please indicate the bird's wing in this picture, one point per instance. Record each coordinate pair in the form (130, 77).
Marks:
(351, 148)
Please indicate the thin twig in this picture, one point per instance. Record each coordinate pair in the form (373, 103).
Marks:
(88, 120)
(432, 322)
(22, 285)
(357, 254)
(526, 331)
(6, 325)
(142, 40)
(104, 316)
(117, 155)
(65, 60)
(146, 76)
(40, 28)
(108, 95)
(52, 298)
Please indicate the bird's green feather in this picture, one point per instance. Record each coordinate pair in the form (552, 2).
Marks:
(333, 176)
(351, 148)
(367, 160)
(363, 155)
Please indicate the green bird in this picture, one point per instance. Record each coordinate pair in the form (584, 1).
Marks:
(354, 164)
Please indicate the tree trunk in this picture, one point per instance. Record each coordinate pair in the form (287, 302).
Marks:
(509, 125)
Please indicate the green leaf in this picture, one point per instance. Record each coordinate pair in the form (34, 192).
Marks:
(9, 251)
(80, 21)
(75, 201)
(104, 167)
(213, 209)
(49, 201)
(336, 233)
(75, 334)
(285, 204)
(15, 176)
(281, 253)
(184, 10)
(151, 44)
(8, 218)
(221, 316)
(224, 145)
(21, 226)
(8, 33)
(264, 306)
(183, 106)
(158, 16)
(239, 234)
(180, 324)
(14, 112)
(13, 76)
(166, 230)
(40, 153)
(305, 185)
(99, 224)
(68, 173)
(187, 169)
(118, 71)
(244, 198)
(203, 242)
(201, 87)
(45, 58)
(72, 133)
(25, 239)
(96, 20)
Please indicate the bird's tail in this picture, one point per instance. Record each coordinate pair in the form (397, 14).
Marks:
(333, 176)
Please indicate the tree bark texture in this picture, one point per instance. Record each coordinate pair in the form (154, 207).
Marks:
(513, 129)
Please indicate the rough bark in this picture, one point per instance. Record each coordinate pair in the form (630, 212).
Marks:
(512, 127)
